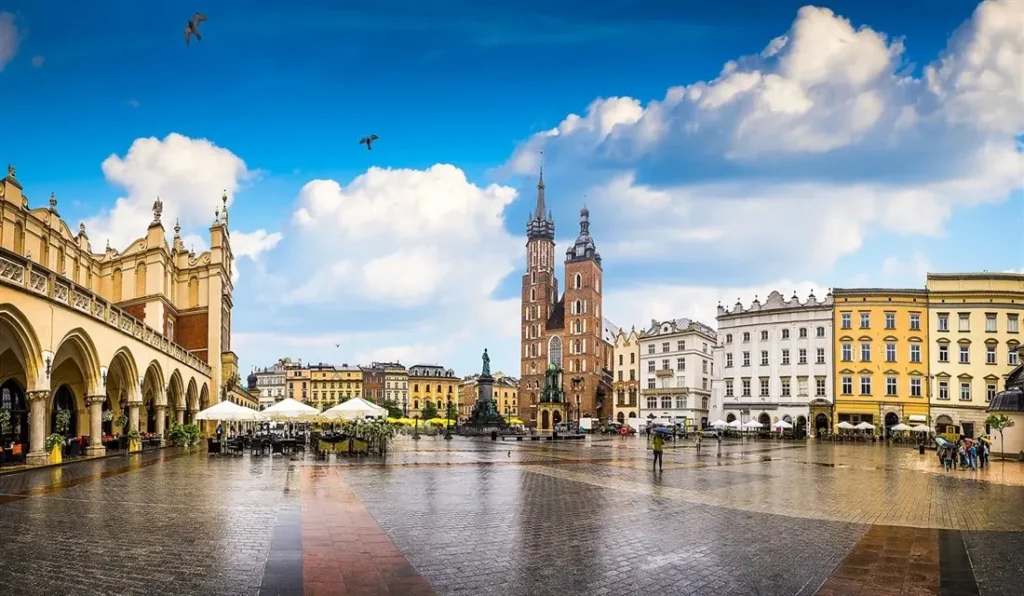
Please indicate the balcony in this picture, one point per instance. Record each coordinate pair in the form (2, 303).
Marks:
(665, 372)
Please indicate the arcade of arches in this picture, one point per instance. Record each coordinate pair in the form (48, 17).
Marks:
(36, 385)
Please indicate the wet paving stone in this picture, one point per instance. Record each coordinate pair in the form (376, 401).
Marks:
(474, 518)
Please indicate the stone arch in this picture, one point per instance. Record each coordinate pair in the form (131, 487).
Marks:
(78, 346)
(764, 419)
(151, 395)
(175, 390)
(204, 398)
(191, 392)
(126, 375)
(730, 418)
(18, 342)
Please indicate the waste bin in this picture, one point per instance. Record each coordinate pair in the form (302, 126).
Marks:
(494, 435)
(920, 448)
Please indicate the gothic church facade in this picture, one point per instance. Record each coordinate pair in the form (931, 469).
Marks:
(566, 330)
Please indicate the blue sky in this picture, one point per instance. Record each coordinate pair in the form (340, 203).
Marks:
(821, 163)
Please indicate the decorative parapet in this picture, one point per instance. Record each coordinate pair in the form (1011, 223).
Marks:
(775, 301)
(18, 271)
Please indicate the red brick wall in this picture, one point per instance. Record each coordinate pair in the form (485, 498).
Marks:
(594, 354)
(136, 310)
(192, 331)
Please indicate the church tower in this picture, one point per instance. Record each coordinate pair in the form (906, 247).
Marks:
(585, 350)
(539, 298)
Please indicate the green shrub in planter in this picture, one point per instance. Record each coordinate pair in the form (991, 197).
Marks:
(55, 441)
(5, 421)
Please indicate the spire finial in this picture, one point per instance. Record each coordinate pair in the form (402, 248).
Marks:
(53, 201)
(177, 227)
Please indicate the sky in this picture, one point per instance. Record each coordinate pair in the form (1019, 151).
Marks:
(724, 149)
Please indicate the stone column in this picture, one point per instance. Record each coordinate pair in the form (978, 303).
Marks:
(95, 403)
(179, 414)
(37, 454)
(161, 411)
(133, 415)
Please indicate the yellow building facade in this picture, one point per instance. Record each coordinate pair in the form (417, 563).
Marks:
(331, 385)
(626, 376)
(297, 380)
(974, 329)
(880, 356)
(434, 384)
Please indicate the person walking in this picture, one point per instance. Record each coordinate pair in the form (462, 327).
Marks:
(972, 456)
(947, 457)
(658, 446)
(700, 439)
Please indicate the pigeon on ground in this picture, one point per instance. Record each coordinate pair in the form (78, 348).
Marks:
(192, 27)
(510, 454)
(368, 141)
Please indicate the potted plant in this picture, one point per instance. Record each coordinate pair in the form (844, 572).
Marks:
(192, 434)
(177, 434)
(134, 440)
(55, 447)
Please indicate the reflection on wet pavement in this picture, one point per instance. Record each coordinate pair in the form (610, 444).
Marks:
(481, 517)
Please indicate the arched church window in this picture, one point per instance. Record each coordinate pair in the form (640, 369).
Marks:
(578, 284)
(140, 280)
(555, 351)
(115, 279)
(533, 294)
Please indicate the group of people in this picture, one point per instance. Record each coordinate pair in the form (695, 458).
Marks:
(964, 454)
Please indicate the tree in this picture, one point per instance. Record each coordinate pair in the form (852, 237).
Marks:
(394, 410)
(1000, 423)
(429, 411)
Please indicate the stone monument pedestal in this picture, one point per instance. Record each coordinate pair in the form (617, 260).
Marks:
(485, 417)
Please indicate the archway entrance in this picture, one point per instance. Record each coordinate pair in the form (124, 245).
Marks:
(730, 418)
(545, 421)
(556, 417)
(12, 398)
(821, 424)
(891, 420)
(108, 417)
(621, 418)
(764, 419)
(64, 401)
(800, 428)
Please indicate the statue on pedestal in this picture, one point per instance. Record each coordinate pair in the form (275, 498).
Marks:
(486, 372)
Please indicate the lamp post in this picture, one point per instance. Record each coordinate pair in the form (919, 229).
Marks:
(448, 419)
(416, 427)
(405, 405)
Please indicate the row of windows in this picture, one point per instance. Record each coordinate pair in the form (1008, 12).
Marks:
(426, 388)
(785, 387)
(802, 334)
(801, 357)
(666, 402)
(680, 366)
(991, 322)
(915, 387)
(846, 320)
(680, 347)
(846, 352)
(991, 354)
(666, 383)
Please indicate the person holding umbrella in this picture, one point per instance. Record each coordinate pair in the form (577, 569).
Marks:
(658, 446)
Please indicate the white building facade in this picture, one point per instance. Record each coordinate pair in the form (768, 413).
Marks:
(270, 382)
(676, 372)
(774, 362)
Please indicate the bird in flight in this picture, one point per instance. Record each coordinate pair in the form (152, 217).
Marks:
(337, 345)
(368, 141)
(192, 27)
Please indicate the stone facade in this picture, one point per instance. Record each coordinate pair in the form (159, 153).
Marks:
(676, 370)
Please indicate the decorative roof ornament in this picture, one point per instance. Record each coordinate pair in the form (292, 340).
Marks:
(216, 216)
(177, 228)
(10, 171)
(158, 209)
(53, 202)
(81, 229)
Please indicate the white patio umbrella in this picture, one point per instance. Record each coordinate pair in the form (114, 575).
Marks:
(846, 426)
(919, 428)
(719, 424)
(781, 424)
(735, 424)
(865, 426)
(753, 424)
(227, 411)
(356, 407)
(289, 410)
(900, 427)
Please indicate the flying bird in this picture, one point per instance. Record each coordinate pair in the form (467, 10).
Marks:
(337, 345)
(368, 141)
(192, 27)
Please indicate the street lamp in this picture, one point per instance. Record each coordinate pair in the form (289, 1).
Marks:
(416, 427)
(448, 419)
(405, 405)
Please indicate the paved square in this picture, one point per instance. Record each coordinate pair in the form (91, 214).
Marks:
(470, 517)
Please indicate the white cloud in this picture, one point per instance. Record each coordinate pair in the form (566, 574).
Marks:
(9, 38)
(798, 153)
(253, 244)
(909, 272)
(639, 305)
(37, 61)
(405, 238)
(188, 175)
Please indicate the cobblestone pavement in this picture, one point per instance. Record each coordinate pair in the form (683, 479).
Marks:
(475, 517)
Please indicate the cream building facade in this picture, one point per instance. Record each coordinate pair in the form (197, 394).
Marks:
(626, 375)
(396, 384)
(145, 331)
(773, 362)
(270, 383)
(676, 369)
(975, 330)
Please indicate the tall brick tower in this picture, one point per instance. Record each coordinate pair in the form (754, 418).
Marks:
(585, 345)
(540, 295)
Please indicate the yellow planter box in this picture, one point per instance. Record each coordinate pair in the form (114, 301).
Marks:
(56, 455)
(134, 446)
